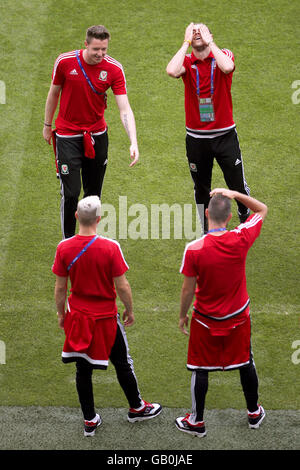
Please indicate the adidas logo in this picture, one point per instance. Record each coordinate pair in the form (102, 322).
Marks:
(74, 72)
(237, 161)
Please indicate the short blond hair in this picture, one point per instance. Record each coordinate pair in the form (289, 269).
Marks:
(88, 210)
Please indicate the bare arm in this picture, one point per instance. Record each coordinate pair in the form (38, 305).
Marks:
(223, 61)
(253, 204)
(128, 121)
(175, 67)
(50, 108)
(60, 294)
(124, 292)
(187, 295)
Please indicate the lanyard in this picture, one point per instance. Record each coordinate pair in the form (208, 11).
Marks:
(85, 75)
(211, 79)
(217, 230)
(82, 251)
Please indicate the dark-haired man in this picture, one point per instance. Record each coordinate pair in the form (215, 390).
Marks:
(81, 79)
(210, 127)
(220, 331)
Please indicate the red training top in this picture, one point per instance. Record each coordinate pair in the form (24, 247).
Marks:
(221, 97)
(92, 286)
(219, 264)
(80, 107)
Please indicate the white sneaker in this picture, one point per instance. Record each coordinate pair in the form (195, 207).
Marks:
(91, 426)
(255, 419)
(196, 429)
(147, 411)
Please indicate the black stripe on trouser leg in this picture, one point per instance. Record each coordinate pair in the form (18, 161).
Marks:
(84, 386)
(199, 387)
(123, 364)
(200, 159)
(69, 161)
(229, 157)
(93, 170)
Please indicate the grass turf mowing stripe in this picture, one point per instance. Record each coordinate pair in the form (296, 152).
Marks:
(19, 76)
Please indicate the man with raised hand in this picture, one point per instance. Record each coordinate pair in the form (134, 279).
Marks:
(210, 128)
(220, 331)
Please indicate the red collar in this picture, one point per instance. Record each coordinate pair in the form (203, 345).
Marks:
(194, 59)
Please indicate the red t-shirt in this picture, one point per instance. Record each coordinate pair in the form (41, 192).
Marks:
(222, 100)
(80, 107)
(219, 264)
(92, 286)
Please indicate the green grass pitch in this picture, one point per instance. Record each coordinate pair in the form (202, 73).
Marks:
(145, 35)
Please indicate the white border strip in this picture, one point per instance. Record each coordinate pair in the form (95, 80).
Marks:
(68, 355)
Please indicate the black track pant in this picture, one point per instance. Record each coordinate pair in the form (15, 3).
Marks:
(199, 387)
(73, 167)
(123, 364)
(201, 153)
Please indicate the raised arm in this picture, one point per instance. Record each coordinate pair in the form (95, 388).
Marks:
(253, 204)
(224, 62)
(175, 67)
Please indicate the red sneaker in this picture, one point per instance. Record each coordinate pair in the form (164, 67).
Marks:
(185, 424)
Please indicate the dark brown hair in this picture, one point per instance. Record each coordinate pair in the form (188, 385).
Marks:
(97, 32)
(219, 208)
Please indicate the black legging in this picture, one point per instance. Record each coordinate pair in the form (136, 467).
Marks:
(123, 364)
(249, 381)
(75, 169)
(201, 154)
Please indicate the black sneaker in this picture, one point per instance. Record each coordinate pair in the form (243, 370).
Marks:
(196, 429)
(91, 426)
(255, 419)
(148, 411)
